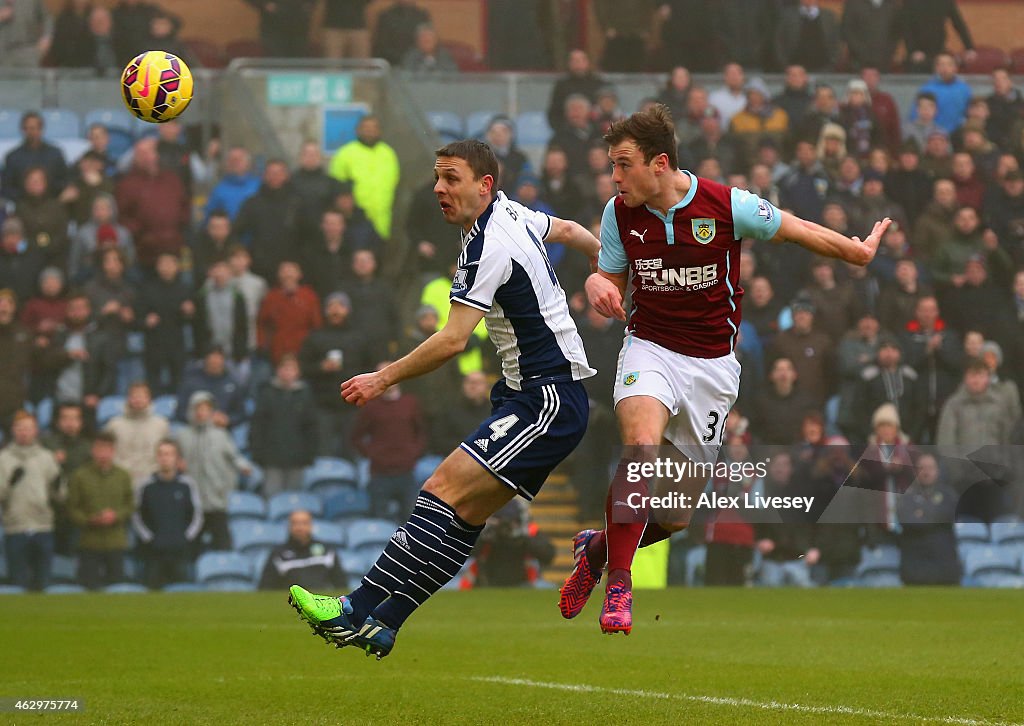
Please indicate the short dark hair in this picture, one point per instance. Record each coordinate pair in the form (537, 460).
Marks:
(169, 442)
(653, 131)
(976, 365)
(477, 154)
(105, 437)
(927, 96)
(30, 115)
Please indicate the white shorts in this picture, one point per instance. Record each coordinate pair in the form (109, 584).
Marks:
(698, 392)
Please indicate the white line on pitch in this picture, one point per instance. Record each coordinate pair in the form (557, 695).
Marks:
(744, 702)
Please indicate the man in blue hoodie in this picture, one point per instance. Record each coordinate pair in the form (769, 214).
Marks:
(952, 94)
(237, 184)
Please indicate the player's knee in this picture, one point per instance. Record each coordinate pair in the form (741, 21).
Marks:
(641, 438)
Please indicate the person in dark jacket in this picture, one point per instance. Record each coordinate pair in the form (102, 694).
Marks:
(284, 26)
(21, 260)
(808, 35)
(33, 152)
(779, 409)
(316, 190)
(391, 433)
(282, 437)
(220, 317)
(889, 380)
(81, 357)
(72, 45)
(463, 415)
(396, 27)
(17, 354)
(302, 560)
(132, 22)
(212, 375)
(215, 242)
(786, 543)
(328, 262)
(923, 30)
(580, 79)
(373, 305)
(267, 220)
(330, 355)
(164, 308)
(168, 519)
(870, 29)
(44, 217)
(927, 541)
(71, 447)
(932, 349)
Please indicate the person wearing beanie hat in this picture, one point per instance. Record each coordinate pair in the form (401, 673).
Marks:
(101, 231)
(1005, 388)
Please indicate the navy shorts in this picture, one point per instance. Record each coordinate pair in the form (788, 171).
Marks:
(529, 433)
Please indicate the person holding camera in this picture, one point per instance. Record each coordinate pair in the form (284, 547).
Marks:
(30, 486)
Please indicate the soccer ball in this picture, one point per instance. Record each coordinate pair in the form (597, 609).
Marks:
(157, 86)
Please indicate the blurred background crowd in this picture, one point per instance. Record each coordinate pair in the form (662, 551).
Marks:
(176, 316)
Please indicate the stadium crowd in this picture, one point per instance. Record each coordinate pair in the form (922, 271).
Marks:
(244, 312)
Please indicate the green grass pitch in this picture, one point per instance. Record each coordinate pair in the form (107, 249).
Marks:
(699, 656)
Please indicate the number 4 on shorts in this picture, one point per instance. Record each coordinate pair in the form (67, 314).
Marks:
(499, 428)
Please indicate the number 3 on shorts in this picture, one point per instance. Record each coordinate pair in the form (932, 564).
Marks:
(713, 430)
(499, 428)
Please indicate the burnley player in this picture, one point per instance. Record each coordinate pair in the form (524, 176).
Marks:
(539, 409)
(677, 376)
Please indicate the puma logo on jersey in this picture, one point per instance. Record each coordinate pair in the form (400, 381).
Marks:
(634, 233)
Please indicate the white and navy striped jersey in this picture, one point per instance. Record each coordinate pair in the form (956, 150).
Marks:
(504, 270)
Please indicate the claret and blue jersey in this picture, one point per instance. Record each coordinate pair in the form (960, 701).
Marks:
(685, 265)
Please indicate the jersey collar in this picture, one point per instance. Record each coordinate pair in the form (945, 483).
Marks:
(681, 203)
(483, 219)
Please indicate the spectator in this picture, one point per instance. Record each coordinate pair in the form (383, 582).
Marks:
(252, 286)
(113, 296)
(744, 33)
(100, 233)
(427, 54)
(46, 312)
(316, 191)
(345, 31)
(968, 240)
(924, 31)
(870, 29)
(214, 463)
(907, 185)
(390, 432)
(831, 151)
(626, 30)
(937, 160)
(786, 546)
(688, 124)
(931, 349)
(824, 110)
(935, 224)
(91, 178)
(21, 260)
(970, 189)
(728, 534)
(212, 376)
(889, 380)
(173, 153)
(1006, 104)
(975, 415)
(435, 389)
(288, 313)
(284, 26)
(779, 410)
(511, 550)
(675, 94)
(102, 42)
(71, 448)
(1007, 390)
(395, 33)
(81, 358)
(460, 419)
(898, 299)
(72, 46)
(153, 204)
(164, 309)
(219, 317)
(875, 201)
(928, 547)
(372, 167)
(302, 560)
(808, 35)
(100, 503)
(361, 231)
(33, 152)
(214, 243)
(835, 304)
(267, 220)
(858, 119)
(713, 143)
(26, 32)
(132, 25)
(856, 351)
(810, 351)
(1004, 212)
(558, 187)
(951, 92)
(762, 309)
(758, 120)
(500, 136)
(730, 99)
(1016, 348)
(236, 186)
(329, 259)
(796, 97)
(884, 107)
(434, 244)
(137, 432)
(168, 520)
(29, 486)
(806, 186)
(283, 435)
(576, 134)
(579, 81)
(979, 303)
(330, 355)
(373, 305)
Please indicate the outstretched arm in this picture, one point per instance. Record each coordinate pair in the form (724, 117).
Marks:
(828, 243)
(575, 236)
(432, 353)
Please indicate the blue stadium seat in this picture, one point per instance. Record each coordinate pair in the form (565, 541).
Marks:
(330, 533)
(447, 124)
(10, 123)
(248, 535)
(477, 123)
(326, 471)
(64, 589)
(11, 590)
(165, 406)
(532, 128)
(986, 561)
(240, 434)
(424, 468)
(61, 124)
(252, 481)
(64, 570)
(345, 504)
(184, 587)
(881, 559)
(125, 588)
(972, 532)
(120, 142)
(213, 567)
(281, 505)
(259, 561)
(109, 407)
(44, 413)
(111, 119)
(231, 584)
(369, 534)
(244, 505)
(880, 578)
(1008, 533)
(72, 148)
